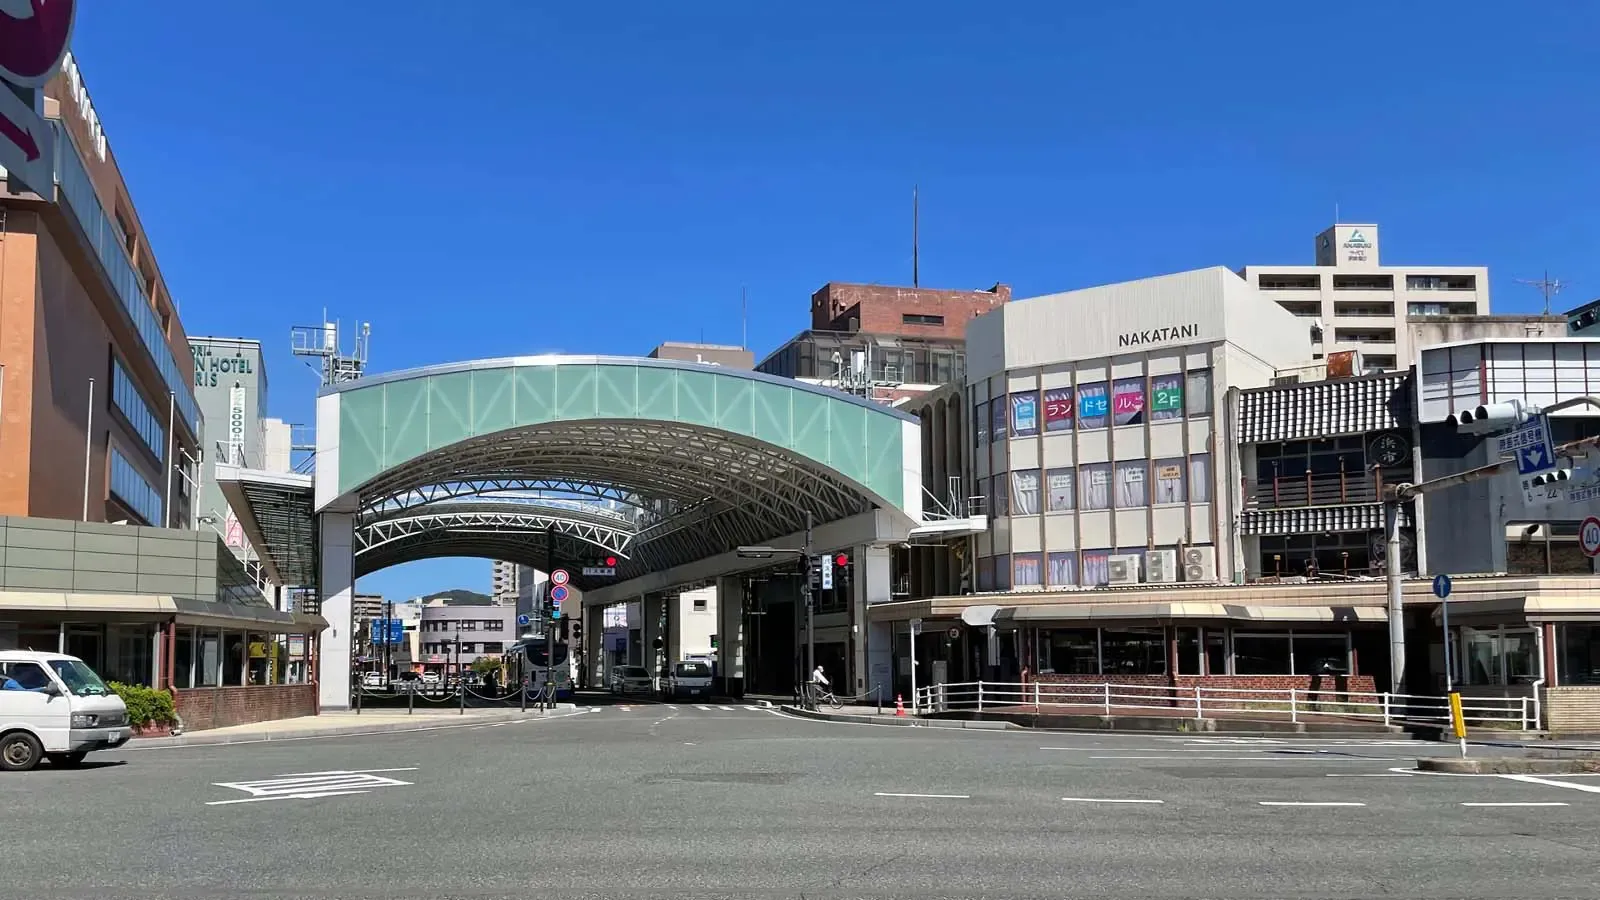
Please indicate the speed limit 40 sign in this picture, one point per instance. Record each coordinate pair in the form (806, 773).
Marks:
(1589, 536)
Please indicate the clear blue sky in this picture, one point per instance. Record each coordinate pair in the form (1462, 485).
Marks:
(500, 177)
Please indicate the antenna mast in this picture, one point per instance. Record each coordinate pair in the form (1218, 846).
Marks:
(1547, 286)
(744, 318)
(915, 237)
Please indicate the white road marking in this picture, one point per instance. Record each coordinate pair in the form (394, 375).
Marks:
(1284, 751)
(346, 772)
(926, 796)
(753, 708)
(1535, 779)
(725, 708)
(336, 783)
(1281, 759)
(310, 796)
(706, 708)
(1369, 774)
(1106, 800)
(1547, 803)
(1307, 803)
(671, 707)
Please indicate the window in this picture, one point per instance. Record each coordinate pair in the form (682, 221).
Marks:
(1025, 492)
(29, 676)
(1094, 486)
(700, 604)
(1025, 413)
(468, 648)
(980, 425)
(494, 647)
(1094, 405)
(997, 420)
(1127, 401)
(1058, 409)
(130, 403)
(1133, 651)
(1200, 478)
(1073, 651)
(1261, 654)
(999, 498)
(1025, 570)
(1166, 397)
(1169, 480)
(1320, 654)
(1197, 393)
(1132, 490)
(1002, 573)
(1188, 650)
(1363, 282)
(1498, 655)
(1059, 490)
(208, 664)
(920, 319)
(1578, 654)
(1216, 651)
(1096, 567)
(986, 573)
(129, 487)
(1063, 569)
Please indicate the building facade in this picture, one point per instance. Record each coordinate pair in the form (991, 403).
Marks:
(710, 354)
(230, 379)
(1355, 303)
(452, 637)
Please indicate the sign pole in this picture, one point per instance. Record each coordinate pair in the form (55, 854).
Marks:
(916, 626)
(549, 620)
(1458, 724)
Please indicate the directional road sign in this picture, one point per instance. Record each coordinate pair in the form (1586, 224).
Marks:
(1530, 443)
(560, 577)
(1589, 536)
(1441, 586)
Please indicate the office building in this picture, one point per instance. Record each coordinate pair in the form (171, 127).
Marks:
(451, 638)
(504, 582)
(710, 354)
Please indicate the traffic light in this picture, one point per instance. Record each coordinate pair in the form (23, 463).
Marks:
(1491, 417)
(840, 560)
(658, 643)
(577, 629)
(1554, 476)
(713, 642)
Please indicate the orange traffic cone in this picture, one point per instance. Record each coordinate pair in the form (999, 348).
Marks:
(899, 706)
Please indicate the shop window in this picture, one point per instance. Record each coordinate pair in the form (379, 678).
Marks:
(1025, 492)
(1132, 484)
(183, 658)
(1320, 654)
(1498, 656)
(1578, 654)
(1073, 651)
(209, 661)
(1026, 570)
(997, 420)
(980, 425)
(1058, 409)
(232, 659)
(1200, 478)
(1188, 650)
(1127, 401)
(1216, 651)
(999, 495)
(1094, 486)
(1064, 569)
(1002, 573)
(1133, 651)
(1094, 405)
(986, 573)
(1169, 480)
(1025, 413)
(1261, 654)
(1197, 393)
(1166, 397)
(1096, 565)
(1059, 492)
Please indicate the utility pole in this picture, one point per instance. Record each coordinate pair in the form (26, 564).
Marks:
(1548, 287)
(810, 597)
(549, 620)
(915, 239)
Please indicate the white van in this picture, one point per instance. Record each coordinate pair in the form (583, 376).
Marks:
(53, 706)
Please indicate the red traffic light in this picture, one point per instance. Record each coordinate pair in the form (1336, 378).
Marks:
(611, 562)
(841, 560)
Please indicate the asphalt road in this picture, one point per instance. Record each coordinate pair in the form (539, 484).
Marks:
(708, 801)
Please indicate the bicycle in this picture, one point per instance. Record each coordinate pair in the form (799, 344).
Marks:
(820, 695)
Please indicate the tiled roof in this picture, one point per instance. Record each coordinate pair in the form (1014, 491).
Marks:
(1329, 408)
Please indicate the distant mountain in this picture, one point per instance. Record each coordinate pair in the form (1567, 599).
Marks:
(461, 597)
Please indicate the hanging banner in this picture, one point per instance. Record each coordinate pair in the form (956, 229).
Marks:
(236, 425)
(1094, 405)
(1058, 409)
(1166, 397)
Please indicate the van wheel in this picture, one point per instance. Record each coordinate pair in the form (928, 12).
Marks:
(68, 760)
(19, 752)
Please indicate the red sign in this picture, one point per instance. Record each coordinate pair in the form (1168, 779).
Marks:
(1589, 536)
(32, 46)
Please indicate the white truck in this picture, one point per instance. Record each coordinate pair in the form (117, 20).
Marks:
(53, 706)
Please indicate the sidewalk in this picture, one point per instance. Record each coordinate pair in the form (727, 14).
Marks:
(1119, 723)
(344, 722)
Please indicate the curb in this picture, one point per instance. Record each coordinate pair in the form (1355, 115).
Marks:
(995, 725)
(908, 721)
(1509, 766)
(204, 738)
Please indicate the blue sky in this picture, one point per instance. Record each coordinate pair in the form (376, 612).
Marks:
(502, 177)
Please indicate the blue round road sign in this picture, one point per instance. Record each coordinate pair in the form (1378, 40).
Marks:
(1441, 586)
(523, 619)
(558, 593)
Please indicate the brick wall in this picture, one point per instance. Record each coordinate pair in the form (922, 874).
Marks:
(1572, 710)
(203, 708)
(878, 308)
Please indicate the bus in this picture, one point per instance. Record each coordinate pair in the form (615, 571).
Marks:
(530, 653)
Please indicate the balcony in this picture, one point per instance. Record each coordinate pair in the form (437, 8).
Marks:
(1312, 489)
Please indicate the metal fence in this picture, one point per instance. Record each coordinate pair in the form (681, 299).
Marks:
(1197, 702)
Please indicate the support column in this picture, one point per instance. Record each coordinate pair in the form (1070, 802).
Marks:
(872, 644)
(654, 609)
(674, 636)
(730, 636)
(336, 539)
(594, 643)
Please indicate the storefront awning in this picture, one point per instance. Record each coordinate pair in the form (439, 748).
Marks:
(1036, 615)
(187, 610)
(1519, 610)
(937, 531)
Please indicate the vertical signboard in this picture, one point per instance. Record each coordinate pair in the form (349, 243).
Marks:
(236, 399)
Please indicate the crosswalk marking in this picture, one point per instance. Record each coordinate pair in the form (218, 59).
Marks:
(705, 708)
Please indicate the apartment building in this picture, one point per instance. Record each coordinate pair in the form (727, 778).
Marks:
(1350, 301)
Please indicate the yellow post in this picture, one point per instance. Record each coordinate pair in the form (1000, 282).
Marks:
(1458, 722)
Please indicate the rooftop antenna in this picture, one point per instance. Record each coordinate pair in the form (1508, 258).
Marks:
(1547, 286)
(915, 242)
(744, 318)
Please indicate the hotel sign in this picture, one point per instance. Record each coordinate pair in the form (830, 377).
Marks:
(33, 41)
(1158, 335)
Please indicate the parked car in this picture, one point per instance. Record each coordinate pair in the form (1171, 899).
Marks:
(631, 680)
(432, 679)
(53, 706)
(688, 679)
(373, 680)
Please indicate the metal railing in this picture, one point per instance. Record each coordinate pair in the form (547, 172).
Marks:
(1320, 490)
(1197, 702)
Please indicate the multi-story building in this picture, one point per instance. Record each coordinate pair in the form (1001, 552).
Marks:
(504, 582)
(710, 354)
(230, 377)
(1352, 302)
(452, 637)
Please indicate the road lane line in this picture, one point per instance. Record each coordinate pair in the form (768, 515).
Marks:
(1281, 759)
(1307, 803)
(1106, 800)
(704, 708)
(671, 707)
(1542, 803)
(308, 796)
(725, 708)
(925, 796)
(1369, 774)
(1534, 779)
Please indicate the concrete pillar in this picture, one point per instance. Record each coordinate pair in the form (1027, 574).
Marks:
(654, 622)
(593, 647)
(336, 539)
(870, 650)
(673, 604)
(730, 636)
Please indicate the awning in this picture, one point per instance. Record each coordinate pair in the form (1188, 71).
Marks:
(937, 531)
(1169, 611)
(187, 610)
(1582, 608)
(277, 512)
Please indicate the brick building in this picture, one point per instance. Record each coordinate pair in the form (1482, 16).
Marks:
(911, 312)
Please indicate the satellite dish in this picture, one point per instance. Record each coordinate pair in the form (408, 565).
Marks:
(979, 616)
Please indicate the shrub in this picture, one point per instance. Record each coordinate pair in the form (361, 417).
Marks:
(146, 706)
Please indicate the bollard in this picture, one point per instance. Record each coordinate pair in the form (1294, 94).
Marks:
(411, 698)
(461, 691)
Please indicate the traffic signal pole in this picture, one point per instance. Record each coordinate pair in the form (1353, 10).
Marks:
(549, 621)
(810, 598)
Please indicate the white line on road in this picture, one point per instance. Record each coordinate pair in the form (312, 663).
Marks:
(926, 796)
(706, 708)
(725, 708)
(1307, 803)
(1276, 751)
(1281, 759)
(308, 796)
(1106, 800)
(671, 707)
(346, 772)
(1534, 779)
(1545, 803)
(1369, 774)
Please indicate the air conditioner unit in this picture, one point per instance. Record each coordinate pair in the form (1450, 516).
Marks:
(1200, 564)
(1160, 566)
(1123, 568)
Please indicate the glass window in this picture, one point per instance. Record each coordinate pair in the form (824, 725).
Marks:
(1094, 486)
(997, 420)
(1063, 569)
(1058, 409)
(1320, 654)
(980, 425)
(1169, 480)
(1127, 401)
(1166, 397)
(1200, 478)
(128, 401)
(1058, 484)
(208, 666)
(1132, 484)
(1188, 651)
(1216, 651)
(1000, 498)
(1074, 651)
(232, 659)
(1133, 651)
(183, 659)
(1261, 654)
(1025, 413)
(986, 573)
(1025, 492)
(1197, 393)
(1026, 570)
(1094, 405)
(1578, 654)
(128, 486)
(1002, 573)
(1096, 567)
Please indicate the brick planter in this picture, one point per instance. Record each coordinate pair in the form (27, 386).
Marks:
(202, 708)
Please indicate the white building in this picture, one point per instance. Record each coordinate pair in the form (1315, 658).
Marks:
(1358, 304)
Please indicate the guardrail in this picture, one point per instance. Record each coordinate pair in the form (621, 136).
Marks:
(1289, 704)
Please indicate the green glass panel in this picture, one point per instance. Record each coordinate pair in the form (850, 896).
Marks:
(617, 392)
(575, 391)
(658, 394)
(360, 436)
(885, 458)
(492, 409)
(733, 403)
(810, 425)
(771, 413)
(405, 432)
(847, 439)
(449, 409)
(535, 394)
(697, 398)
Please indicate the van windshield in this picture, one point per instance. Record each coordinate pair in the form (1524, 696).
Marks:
(79, 678)
(693, 670)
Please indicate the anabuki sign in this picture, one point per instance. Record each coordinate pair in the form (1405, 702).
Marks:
(32, 45)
